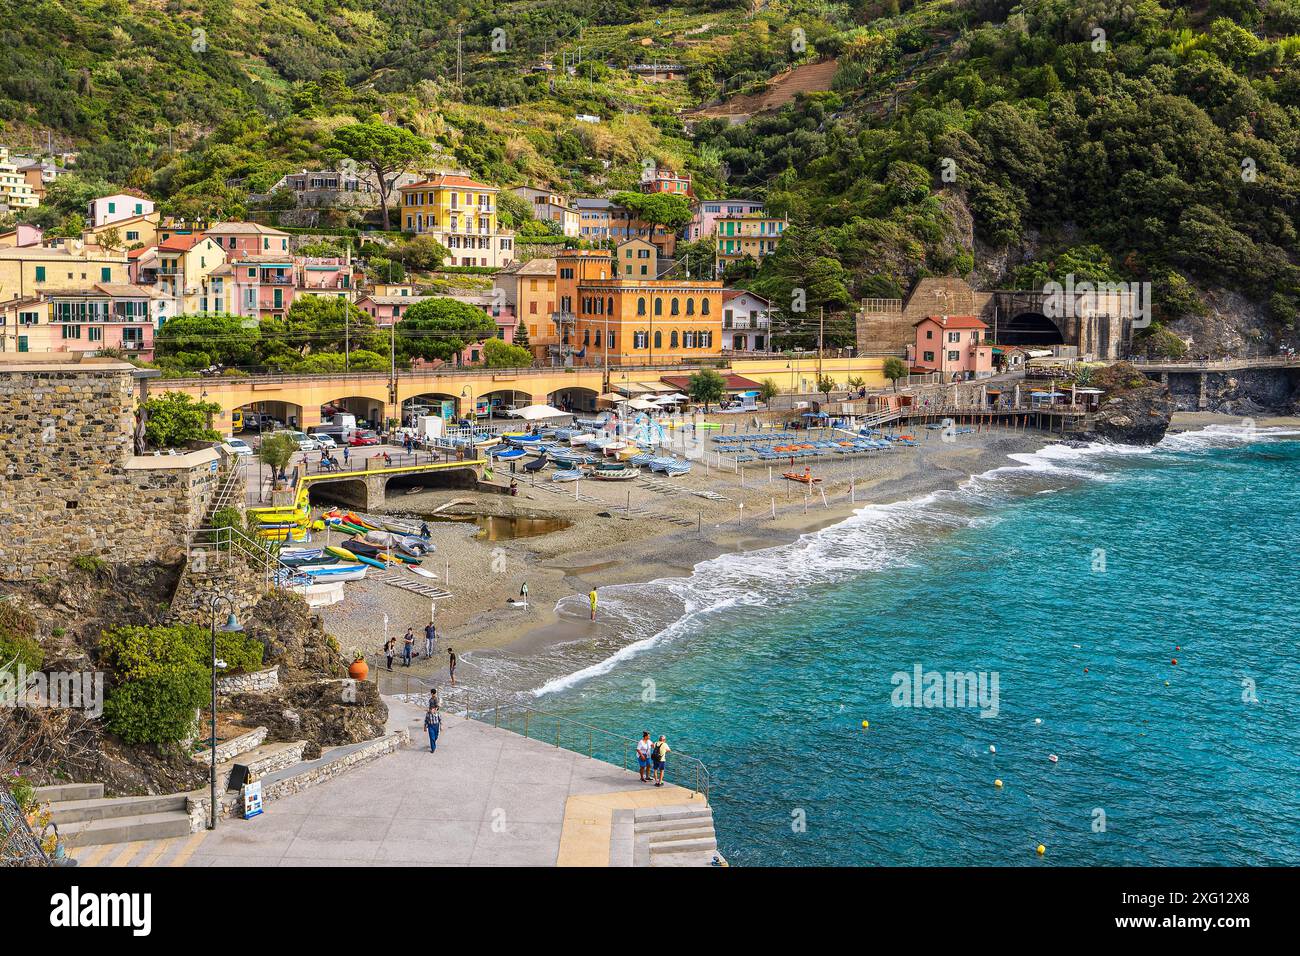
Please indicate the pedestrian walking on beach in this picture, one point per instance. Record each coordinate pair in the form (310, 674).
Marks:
(389, 646)
(523, 593)
(433, 724)
(408, 645)
(644, 748)
(430, 639)
(660, 757)
(592, 595)
(451, 665)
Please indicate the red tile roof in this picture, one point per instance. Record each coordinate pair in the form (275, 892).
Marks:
(735, 383)
(182, 243)
(954, 321)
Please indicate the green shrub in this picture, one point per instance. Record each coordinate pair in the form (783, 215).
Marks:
(163, 676)
(89, 563)
(18, 642)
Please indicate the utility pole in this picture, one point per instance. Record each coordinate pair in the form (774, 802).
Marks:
(821, 331)
(392, 367)
(346, 341)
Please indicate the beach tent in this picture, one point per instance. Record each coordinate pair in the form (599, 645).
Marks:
(532, 413)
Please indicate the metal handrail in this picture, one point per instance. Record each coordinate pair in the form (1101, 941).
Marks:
(683, 769)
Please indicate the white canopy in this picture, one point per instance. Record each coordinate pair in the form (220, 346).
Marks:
(532, 413)
(672, 399)
(642, 405)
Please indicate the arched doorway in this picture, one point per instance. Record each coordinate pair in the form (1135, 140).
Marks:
(1031, 330)
(576, 400)
(368, 412)
(271, 415)
(441, 404)
(495, 404)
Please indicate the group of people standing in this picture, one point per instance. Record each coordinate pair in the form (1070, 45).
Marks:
(408, 646)
(652, 758)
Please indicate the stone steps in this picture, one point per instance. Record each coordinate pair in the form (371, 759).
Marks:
(680, 835)
(101, 820)
(104, 808)
(69, 791)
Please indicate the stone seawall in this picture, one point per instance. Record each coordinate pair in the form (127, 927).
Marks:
(70, 484)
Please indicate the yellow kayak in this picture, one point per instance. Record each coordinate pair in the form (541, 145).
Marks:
(343, 553)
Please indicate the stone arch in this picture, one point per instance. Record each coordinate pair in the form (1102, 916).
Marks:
(575, 398)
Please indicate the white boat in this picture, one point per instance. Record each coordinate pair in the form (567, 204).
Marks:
(401, 527)
(343, 571)
(581, 439)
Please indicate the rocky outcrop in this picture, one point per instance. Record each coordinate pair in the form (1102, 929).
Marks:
(1138, 416)
(325, 713)
(294, 638)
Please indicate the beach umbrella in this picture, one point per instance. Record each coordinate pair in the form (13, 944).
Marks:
(532, 413)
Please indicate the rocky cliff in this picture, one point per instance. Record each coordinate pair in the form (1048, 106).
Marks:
(1137, 416)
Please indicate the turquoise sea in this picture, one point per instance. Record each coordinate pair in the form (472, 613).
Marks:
(1076, 577)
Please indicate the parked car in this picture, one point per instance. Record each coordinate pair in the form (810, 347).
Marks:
(323, 440)
(239, 446)
(363, 437)
(304, 441)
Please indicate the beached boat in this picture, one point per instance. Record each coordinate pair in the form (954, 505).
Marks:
(573, 475)
(804, 478)
(614, 447)
(615, 473)
(343, 553)
(510, 454)
(343, 571)
(401, 527)
(580, 439)
(415, 546)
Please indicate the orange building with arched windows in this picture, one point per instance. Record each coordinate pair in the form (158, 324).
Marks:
(613, 309)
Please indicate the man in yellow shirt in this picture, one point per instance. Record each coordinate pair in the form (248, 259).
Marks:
(592, 595)
(660, 756)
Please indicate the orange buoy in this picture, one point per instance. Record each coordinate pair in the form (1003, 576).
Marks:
(1173, 660)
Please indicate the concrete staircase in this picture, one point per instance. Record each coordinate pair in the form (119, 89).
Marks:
(85, 817)
(664, 836)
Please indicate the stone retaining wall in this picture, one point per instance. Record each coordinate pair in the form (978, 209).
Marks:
(252, 683)
(231, 804)
(229, 749)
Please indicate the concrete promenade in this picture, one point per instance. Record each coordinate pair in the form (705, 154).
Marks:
(488, 797)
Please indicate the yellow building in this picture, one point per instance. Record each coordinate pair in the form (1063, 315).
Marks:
(132, 233)
(754, 236)
(462, 215)
(15, 191)
(30, 270)
(185, 267)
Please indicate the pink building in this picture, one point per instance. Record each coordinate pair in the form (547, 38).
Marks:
(107, 315)
(952, 345)
(249, 239)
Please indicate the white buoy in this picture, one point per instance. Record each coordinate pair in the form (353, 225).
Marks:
(992, 749)
(1053, 758)
(1038, 720)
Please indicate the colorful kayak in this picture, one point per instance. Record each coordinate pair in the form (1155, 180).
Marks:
(343, 553)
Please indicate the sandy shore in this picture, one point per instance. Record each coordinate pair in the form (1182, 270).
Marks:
(1191, 421)
(673, 524)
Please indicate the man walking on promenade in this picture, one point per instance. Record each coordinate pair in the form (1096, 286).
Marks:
(592, 596)
(660, 757)
(430, 639)
(643, 749)
(346, 454)
(408, 645)
(433, 724)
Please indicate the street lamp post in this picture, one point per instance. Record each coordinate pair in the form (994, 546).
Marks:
(468, 390)
(232, 626)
